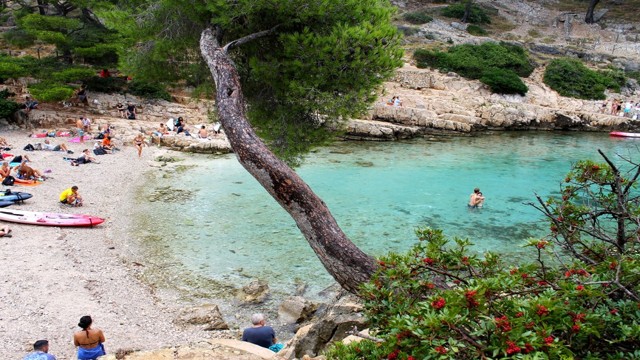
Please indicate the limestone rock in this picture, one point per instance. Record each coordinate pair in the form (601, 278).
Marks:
(255, 292)
(208, 315)
(296, 309)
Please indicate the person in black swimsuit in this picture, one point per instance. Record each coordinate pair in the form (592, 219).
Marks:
(139, 142)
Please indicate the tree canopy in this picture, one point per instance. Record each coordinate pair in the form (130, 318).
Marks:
(320, 62)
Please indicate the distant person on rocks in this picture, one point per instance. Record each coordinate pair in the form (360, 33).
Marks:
(397, 101)
(603, 109)
(40, 351)
(162, 130)
(180, 127)
(391, 101)
(122, 110)
(71, 197)
(82, 95)
(260, 334)
(29, 103)
(50, 147)
(89, 341)
(203, 133)
(476, 200)
(131, 111)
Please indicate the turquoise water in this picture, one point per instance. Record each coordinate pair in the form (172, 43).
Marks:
(379, 193)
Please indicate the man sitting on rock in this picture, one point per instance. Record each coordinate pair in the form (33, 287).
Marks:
(260, 334)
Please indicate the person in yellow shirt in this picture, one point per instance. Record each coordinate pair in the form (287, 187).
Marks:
(71, 197)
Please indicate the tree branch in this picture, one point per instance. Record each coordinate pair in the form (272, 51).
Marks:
(248, 38)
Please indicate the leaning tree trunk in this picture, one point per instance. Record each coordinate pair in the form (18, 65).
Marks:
(348, 265)
(592, 5)
(467, 11)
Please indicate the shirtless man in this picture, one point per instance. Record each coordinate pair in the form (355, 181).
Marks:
(203, 133)
(80, 128)
(27, 173)
(476, 199)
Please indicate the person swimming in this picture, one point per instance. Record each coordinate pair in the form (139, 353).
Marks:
(476, 200)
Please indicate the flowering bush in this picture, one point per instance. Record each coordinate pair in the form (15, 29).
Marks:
(576, 298)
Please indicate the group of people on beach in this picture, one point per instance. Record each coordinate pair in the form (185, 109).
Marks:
(179, 126)
(89, 342)
(621, 108)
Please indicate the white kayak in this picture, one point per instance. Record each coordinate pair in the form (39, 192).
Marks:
(48, 219)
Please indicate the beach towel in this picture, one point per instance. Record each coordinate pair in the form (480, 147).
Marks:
(91, 354)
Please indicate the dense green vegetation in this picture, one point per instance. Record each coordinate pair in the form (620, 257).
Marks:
(7, 107)
(487, 62)
(417, 17)
(476, 30)
(571, 78)
(577, 297)
(477, 16)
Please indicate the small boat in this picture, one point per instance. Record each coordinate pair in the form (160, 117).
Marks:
(624, 134)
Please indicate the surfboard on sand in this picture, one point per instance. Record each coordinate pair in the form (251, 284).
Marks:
(14, 196)
(48, 219)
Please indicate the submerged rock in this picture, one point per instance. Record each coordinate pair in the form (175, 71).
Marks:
(254, 293)
(208, 315)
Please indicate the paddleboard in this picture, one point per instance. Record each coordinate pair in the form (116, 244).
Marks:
(5, 203)
(48, 219)
(624, 134)
(14, 196)
(77, 138)
(44, 134)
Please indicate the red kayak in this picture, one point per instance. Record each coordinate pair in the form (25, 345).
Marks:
(48, 219)
(624, 134)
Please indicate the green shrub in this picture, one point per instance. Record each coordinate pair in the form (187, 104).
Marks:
(417, 17)
(504, 82)
(50, 91)
(634, 75)
(73, 75)
(7, 107)
(148, 90)
(408, 30)
(18, 38)
(569, 77)
(479, 61)
(476, 30)
(11, 70)
(456, 11)
(106, 85)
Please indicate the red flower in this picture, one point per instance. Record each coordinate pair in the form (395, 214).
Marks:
(428, 261)
(512, 348)
(411, 358)
(580, 287)
(438, 303)
(528, 348)
(542, 310)
(613, 311)
(542, 283)
(548, 340)
(430, 285)
(393, 355)
(579, 317)
(471, 300)
(568, 273)
(541, 244)
(575, 328)
(519, 314)
(613, 265)
(582, 272)
(529, 325)
(441, 350)
(513, 271)
(503, 324)
(465, 260)
(381, 263)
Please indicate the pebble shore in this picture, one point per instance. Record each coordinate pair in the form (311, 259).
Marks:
(52, 275)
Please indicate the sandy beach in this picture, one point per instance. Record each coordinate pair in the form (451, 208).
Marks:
(52, 275)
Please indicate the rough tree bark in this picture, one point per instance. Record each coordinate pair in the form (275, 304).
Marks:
(592, 5)
(348, 265)
(467, 11)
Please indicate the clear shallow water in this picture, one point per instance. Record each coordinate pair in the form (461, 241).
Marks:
(379, 193)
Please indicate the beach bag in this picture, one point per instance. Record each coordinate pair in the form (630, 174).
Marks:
(8, 181)
(99, 151)
(29, 147)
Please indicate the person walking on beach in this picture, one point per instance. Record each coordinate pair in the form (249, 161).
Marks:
(476, 199)
(71, 197)
(139, 142)
(260, 334)
(89, 341)
(40, 351)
